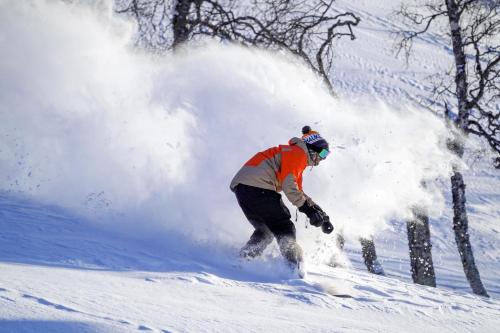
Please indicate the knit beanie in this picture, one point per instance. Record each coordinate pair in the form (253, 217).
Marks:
(313, 140)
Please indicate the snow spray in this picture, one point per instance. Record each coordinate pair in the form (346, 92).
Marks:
(150, 144)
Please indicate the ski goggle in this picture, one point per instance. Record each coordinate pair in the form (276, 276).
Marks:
(324, 153)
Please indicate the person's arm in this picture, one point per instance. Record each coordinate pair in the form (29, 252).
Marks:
(293, 163)
(292, 166)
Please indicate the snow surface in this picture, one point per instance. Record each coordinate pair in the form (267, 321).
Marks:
(115, 212)
(60, 275)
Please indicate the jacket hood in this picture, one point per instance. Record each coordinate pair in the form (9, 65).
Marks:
(300, 143)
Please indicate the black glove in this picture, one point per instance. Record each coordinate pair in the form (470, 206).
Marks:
(327, 227)
(315, 214)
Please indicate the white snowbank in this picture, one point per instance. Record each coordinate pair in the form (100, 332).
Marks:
(147, 144)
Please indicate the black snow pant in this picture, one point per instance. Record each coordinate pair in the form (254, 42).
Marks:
(270, 217)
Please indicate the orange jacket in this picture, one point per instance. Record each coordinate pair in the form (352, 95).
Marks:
(278, 169)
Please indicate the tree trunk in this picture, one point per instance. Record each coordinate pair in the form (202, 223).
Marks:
(460, 226)
(419, 243)
(460, 220)
(180, 23)
(340, 241)
(370, 256)
(460, 63)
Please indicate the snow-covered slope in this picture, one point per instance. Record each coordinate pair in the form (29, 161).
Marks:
(60, 275)
(115, 213)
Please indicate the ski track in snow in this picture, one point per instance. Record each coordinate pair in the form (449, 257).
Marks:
(380, 74)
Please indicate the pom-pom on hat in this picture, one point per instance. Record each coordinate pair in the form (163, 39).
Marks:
(314, 140)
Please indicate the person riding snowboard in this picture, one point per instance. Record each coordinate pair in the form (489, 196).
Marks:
(256, 186)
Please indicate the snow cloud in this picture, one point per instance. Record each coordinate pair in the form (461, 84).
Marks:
(151, 143)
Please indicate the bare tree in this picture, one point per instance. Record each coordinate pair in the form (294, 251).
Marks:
(305, 28)
(474, 27)
(422, 268)
(154, 21)
(367, 251)
(181, 26)
(370, 256)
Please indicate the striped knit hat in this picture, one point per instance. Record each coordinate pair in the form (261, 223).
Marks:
(313, 140)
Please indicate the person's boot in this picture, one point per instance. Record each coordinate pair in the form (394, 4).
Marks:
(292, 252)
(258, 242)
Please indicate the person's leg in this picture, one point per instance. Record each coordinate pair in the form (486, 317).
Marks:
(284, 231)
(291, 250)
(258, 242)
(278, 220)
(249, 198)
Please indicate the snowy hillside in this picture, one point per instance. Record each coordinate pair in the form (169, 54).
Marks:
(60, 275)
(115, 211)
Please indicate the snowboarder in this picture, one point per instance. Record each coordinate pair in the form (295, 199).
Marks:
(257, 184)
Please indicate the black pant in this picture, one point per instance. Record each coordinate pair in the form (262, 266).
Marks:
(265, 207)
(268, 214)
